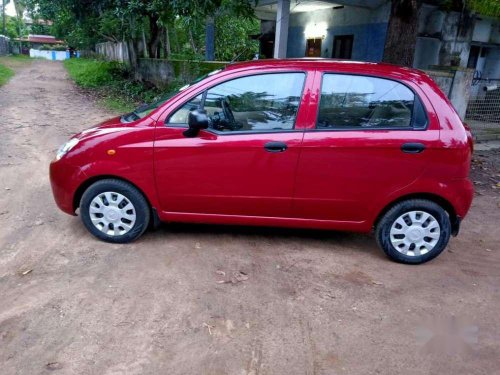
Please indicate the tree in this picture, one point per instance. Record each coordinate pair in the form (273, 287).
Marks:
(490, 8)
(209, 11)
(4, 19)
(178, 25)
(401, 36)
(232, 38)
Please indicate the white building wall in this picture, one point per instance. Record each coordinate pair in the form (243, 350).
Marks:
(49, 55)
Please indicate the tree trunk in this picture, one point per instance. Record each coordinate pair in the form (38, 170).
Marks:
(132, 47)
(144, 45)
(168, 50)
(176, 39)
(132, 53)
(401, 36)
(191, 40)
(154, 37)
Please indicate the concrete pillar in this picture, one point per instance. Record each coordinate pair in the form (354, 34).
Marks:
(282, 21)
(460, 90)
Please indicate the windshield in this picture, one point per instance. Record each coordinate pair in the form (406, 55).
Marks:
(146, 109)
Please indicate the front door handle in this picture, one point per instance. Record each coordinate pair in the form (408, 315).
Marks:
(413, 148)
(275, 147)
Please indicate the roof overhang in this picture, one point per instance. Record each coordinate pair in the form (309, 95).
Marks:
(265, 8)
(40, 40)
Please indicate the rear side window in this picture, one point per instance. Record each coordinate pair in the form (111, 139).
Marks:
(362, 102)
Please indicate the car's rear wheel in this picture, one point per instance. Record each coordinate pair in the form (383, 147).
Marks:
(114, 211)
(414, 231)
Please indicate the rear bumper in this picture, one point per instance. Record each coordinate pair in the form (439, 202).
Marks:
(65, 180)
(463, 193)
(462, 201)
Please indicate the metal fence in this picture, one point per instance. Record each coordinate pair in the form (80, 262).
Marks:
(484, 103)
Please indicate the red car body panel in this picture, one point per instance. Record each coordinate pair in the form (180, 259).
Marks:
(327, 179)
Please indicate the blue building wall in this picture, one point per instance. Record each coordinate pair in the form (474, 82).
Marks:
(367, 25)
(368, 45)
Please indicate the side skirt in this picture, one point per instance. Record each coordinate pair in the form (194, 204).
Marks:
(186, 217)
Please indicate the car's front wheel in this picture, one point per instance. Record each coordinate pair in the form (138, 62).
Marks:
(114, 211)
(414, 231)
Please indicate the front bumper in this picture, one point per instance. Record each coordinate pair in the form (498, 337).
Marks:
(65, 180)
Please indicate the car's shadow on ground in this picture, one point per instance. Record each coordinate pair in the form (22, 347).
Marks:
(322, 239)
(325, 240)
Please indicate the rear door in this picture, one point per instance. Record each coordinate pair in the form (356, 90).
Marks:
(372, 137)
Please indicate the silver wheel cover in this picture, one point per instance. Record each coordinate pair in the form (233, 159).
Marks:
(415, 233)
(112, 213)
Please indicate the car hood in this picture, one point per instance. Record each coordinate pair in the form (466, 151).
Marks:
(109, 126)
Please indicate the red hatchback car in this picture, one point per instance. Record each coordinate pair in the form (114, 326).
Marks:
(296, 143)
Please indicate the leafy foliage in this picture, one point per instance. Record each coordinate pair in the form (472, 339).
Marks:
(232, 38)
(14, 27)
(169, 28)
(94, 73)
(111, 82)
(489, 8)
(5, 74)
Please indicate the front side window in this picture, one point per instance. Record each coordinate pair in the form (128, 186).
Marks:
(266, 102)
(180, 117)
(350, 101)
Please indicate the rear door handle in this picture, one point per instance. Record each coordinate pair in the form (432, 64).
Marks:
(413, 148)
(275, 147)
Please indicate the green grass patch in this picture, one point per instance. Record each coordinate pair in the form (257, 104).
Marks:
(5, 74)
(112, 83)
(93, 73)
(118, 104)
(15, 61)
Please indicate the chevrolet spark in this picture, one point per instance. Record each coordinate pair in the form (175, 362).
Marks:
(324, 144)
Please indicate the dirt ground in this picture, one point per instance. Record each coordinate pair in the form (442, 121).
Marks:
(307, 302)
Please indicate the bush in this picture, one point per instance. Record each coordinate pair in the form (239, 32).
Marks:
(5, 74)
(112, 82)
(94, 73)
(51, 47)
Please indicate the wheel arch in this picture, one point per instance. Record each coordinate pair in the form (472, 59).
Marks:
(85, 185)
(444, 203)
(77, 197)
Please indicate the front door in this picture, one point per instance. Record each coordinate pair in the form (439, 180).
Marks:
(245, 162)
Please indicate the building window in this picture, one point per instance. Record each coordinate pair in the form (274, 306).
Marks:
(313, 47)
(342, 46)
(473, 57)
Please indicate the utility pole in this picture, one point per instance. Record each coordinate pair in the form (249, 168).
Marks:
(4, 3)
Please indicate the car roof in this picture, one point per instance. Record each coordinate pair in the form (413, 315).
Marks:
(345, 66)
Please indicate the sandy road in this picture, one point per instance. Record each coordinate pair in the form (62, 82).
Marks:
(313, 303)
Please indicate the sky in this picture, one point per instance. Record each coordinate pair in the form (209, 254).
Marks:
(10, 10)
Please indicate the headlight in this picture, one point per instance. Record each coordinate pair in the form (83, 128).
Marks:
(65, 148)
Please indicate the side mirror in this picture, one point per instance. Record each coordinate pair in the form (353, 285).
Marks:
(197, 120)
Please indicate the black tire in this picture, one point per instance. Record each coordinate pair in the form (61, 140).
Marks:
(383, 228)
(141, 206)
